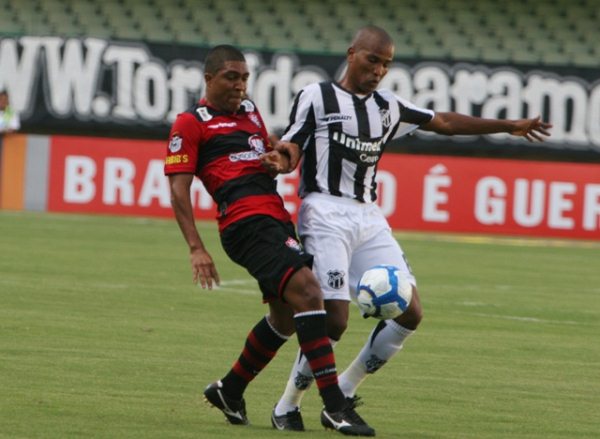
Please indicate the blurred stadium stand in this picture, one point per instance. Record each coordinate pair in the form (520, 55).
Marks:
(550, 32)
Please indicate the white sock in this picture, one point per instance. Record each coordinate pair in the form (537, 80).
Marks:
(384, 342)
(300, 379)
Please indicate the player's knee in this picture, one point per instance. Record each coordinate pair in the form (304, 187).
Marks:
(311, 300)
(281, 318)
(303, 292)
(313, 296)
(411, 318)
(415, 317)
(284, 326)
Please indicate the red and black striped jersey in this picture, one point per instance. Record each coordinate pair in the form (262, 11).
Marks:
(223, 150)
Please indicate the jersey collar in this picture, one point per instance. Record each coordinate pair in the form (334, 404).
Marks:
(354, 95)
(216, 112)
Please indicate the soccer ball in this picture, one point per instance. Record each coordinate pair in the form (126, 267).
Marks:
(383, 292)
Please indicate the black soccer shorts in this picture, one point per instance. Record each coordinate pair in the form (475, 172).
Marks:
(269, 249)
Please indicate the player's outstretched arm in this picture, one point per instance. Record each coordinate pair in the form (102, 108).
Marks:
(450, 123)
(203, 267)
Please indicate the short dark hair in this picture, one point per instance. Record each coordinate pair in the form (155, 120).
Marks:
(369, 34)
(219, 55)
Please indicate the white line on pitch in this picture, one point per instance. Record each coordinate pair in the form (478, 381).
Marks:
(526, 319)
(497, 240)
(236, 290)
(238, 282)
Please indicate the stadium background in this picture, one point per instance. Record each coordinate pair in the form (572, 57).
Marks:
(111, 69)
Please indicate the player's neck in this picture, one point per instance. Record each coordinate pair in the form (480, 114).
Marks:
(347, 85)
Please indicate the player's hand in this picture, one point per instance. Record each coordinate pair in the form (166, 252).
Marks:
(203, 269)
(532, 129)
(276, 162)
(292, 150)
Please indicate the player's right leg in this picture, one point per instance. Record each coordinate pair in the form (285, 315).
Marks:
(303, 294)
(330, 251)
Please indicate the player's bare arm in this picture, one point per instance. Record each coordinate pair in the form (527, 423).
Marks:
(292, 150)
(283, 159)
(450, 123)
(276, 162)
(203, 267)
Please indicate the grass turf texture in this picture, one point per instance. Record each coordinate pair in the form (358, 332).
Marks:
(103, 335)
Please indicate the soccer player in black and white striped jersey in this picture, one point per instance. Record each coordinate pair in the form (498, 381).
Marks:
(341, 129)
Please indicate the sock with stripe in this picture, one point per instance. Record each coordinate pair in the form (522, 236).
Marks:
(386, 339)
(261, 345)
(314, 343)
(299, 381)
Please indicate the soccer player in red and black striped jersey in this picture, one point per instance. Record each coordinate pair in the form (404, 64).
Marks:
(220, 140)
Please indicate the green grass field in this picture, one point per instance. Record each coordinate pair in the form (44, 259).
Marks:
(103, 335)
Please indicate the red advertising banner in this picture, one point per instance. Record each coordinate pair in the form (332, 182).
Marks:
(495, 196)
(427, 193)
(116, 176)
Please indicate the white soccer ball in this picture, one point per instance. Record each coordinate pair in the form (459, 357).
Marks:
(383, 292)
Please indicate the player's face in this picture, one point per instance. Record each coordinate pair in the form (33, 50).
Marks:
(367, 67)
(226, 89)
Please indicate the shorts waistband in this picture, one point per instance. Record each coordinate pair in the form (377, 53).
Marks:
(335, 199)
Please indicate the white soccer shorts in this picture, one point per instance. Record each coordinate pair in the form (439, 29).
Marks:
(346, 238)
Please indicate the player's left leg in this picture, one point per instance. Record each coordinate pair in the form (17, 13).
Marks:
(260, 347)
(388, 336)
(264, 247)
(385, 341)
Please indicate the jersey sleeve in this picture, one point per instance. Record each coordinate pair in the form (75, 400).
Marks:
(302, 119)
(184, 140)
(411, 117)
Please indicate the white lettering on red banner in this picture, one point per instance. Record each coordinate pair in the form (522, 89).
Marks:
(426, 193)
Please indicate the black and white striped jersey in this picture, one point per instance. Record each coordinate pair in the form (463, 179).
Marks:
(343, 136)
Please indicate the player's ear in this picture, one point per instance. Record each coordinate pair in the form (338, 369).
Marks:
(350, 53)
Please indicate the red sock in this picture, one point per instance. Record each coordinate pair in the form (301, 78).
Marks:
(261, 346)
(315, 345)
